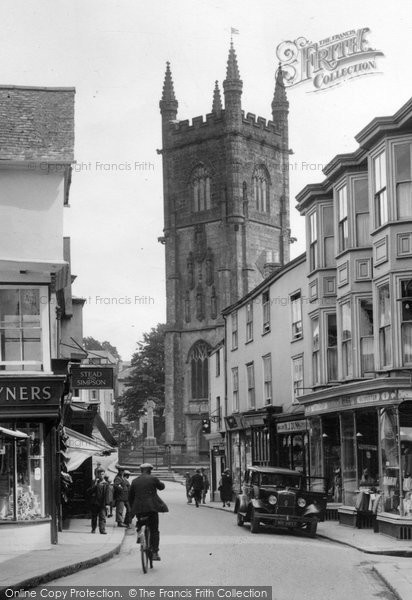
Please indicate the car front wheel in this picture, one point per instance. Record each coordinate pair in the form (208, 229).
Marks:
(254, 523)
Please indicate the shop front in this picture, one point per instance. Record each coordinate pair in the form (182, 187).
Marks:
(292, 445)
(362, 444)
(239, 447)
(29, 480)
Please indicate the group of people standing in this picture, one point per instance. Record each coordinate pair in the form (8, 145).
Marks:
(197, 486)
(105, 496)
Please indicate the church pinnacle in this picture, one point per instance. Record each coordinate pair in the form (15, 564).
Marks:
(232, 71)
(232, 87)
(280, 100)
(168, 101)
(217, 100)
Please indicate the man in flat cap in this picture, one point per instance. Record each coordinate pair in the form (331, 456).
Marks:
(98, 495)
(145, 502)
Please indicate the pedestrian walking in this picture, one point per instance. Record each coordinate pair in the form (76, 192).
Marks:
(226, 487)
(121, 495)
(128, 516)
(188, 477)
(196, 484)
(110, 503)
(98, 494)
(206, 484)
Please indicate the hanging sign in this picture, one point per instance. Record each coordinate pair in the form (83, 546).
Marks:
(92, 377)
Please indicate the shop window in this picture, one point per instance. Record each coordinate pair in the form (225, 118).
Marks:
(313, 241)
(249, 321)
(384, 322)
(332, 348)
(406, 321)
(22, 495)
(266, 310)
(315, 351)
(343, 218)
(367, 448)
(389, 435)
(296, 304)
(315, 454)
(198, 360)
(367, 357)
(403, 180)
(332, 456)
(380, 193)
(234, 330)
(361, 202)
(200, 189)
(250, 376)
(349, 477)
(24, 329)
(267, 379)
(261, 190)
(405, 433)
(347, 370)
(235, 389)
(328, 237)
(297, 375)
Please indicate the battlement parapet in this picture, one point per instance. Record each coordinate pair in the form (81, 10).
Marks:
(259, 122)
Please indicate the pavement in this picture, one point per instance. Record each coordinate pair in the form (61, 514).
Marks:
(78, 549)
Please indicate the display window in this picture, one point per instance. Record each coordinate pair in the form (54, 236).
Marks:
(332, 456)
(22, 493)
(390, 484)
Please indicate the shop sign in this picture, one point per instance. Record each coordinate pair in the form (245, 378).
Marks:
(346, 402)
(92, 377)
(291, 426)
(30, 391)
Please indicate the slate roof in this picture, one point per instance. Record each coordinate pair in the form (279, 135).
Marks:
(36, 123)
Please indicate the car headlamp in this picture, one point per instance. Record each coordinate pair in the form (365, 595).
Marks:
(301, 502)
(272, 499)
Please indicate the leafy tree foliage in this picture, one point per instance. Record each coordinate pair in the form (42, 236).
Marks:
(90, 343)
(147, 380)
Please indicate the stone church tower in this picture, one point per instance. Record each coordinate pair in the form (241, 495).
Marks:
(226, 226)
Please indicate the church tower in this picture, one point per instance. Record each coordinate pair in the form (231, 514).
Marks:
(226, 226)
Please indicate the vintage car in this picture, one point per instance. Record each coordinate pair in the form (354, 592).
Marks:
(279, 498)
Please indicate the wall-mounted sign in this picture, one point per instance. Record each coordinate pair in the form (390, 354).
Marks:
(92, 377)
(30, 391)
(347, 402)
(291, 426)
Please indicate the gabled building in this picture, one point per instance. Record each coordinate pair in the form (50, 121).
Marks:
(36, 154)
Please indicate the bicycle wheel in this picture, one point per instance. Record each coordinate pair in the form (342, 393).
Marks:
(149, 550)
(143, 547)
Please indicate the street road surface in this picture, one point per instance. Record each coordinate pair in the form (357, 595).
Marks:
(204, 547)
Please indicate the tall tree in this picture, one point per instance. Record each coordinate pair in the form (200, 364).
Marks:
(147, 378)
(90, 343)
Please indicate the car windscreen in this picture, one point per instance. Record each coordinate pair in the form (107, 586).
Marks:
(281, 480)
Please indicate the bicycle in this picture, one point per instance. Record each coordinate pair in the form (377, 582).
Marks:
(144, 539)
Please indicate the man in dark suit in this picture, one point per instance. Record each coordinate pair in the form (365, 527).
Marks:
(197, 484)
(145, 502)
(98, 495)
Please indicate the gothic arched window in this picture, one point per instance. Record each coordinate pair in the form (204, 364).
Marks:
(200, 182)
(260, 183)
(199, 368)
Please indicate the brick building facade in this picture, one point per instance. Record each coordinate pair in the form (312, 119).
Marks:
(226, 224)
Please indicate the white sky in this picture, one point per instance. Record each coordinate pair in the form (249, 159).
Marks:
(114, 53)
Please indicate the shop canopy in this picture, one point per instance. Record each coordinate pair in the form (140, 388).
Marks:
(13, 433)
(79, 447)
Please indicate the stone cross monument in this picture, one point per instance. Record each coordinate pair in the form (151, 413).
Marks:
(150, 438)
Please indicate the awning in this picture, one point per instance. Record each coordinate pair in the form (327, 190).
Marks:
(13, 433)
(80, 447)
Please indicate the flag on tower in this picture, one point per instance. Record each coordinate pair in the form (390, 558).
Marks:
(234, 31)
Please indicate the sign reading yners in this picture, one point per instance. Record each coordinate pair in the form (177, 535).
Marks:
(13, 391)
(92, 377)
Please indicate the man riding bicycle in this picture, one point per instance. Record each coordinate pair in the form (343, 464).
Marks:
(145, 503)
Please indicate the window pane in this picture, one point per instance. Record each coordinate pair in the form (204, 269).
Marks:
(9, 307)
(362, 229)
(360, 190)
(384, 306)
(329, 248)
(346, 321)
(404, 199)
(403, 162)
(366, 317)
(315, 334)
(343, 203)
(328, 220)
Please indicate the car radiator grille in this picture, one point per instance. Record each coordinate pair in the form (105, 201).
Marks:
(286, 503)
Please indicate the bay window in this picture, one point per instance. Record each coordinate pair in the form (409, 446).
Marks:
(403, 180)
(366, 336)
(385, 330)
(343, 235)
(406, 321)
(332, 347)
(313, 254)
(328, 237)
(315, 351)
(24, 324)
(361, 203)
(347, 370)
(380, 193)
